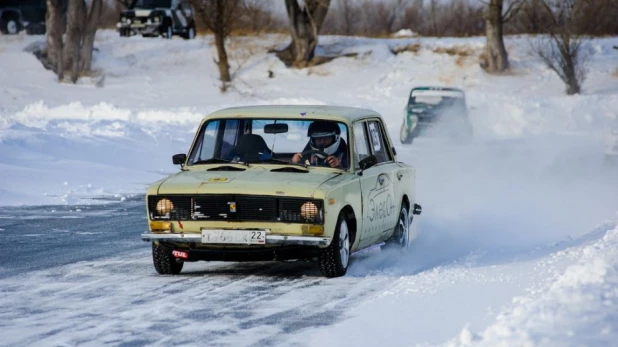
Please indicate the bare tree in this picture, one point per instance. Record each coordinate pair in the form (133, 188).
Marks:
(258, 17)
(54, 28)
(305, 22)
(219, 17)
(74, 53)
(495, 58)
(563, 51)
(82, 23)
(348, 16)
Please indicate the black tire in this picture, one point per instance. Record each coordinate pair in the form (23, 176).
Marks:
(9, 25)
(163, 260)
(404, 135)
(335, 258)
(168, 33)
(400, 239)
(190, 34)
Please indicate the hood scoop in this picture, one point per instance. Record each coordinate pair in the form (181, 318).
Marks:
(289, 169)
(227, 168)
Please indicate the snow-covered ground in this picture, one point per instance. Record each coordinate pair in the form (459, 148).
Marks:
(519, 236)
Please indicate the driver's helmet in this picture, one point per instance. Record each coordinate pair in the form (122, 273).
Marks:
(321, 129)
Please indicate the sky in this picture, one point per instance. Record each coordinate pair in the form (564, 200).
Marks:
(519, 236)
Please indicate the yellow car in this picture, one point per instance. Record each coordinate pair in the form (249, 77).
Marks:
(263, 183)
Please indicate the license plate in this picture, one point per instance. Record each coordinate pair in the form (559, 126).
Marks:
(244, 237)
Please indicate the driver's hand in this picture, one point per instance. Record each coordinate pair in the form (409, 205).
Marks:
(297, 157)
(333, 161)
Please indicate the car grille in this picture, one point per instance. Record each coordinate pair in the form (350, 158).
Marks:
(227, 207)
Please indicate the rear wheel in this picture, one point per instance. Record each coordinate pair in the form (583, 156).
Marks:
(401, 236)
(334, 259)
(164, 261)
(9, 26)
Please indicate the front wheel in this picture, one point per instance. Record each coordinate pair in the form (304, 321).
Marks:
(190, 34)
(334, 259)
(164, 262)
(168, 32)
(404, 136)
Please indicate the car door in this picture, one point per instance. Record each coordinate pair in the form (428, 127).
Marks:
(379, 205)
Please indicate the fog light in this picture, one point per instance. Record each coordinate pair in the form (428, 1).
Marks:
(313, 229)
(160, 226)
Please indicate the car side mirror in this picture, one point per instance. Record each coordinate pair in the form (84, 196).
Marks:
(368, 162)
(179, 159)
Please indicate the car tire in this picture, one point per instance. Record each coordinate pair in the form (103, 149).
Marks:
(404, 135)
(335, 258)
(168, 34)
(400, 239)
(163, 260)
(9, 26)
(190, 34)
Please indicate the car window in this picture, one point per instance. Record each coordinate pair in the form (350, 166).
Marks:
(361, 147)
(378, 145)
(227, 138)
(208, 141)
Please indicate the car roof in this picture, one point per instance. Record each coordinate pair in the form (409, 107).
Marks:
(338, 113)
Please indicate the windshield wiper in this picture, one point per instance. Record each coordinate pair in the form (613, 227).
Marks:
(280, 161)
(218, 161)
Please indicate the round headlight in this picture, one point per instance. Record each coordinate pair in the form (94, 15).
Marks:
(149, 21)
(157, 19)
(164, 206)
(129, 21)
(309, 210)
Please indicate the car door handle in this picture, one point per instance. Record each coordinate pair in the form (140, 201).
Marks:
(399, 175)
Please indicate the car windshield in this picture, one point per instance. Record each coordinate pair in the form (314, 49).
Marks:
(269, 142)
(150, 4)
(436, 97)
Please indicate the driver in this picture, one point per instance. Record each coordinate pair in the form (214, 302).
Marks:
(324, 136)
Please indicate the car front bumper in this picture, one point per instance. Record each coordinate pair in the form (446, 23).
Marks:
(270, 239)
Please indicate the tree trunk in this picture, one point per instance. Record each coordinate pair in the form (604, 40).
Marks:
(222, 63)
(304, 27)
(88, 35)
(53, 24)
(72, 47)
(495, 53)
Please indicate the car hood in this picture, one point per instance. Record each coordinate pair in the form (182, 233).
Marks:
(254, 180)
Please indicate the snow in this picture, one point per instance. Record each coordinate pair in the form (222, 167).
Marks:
(519, 236)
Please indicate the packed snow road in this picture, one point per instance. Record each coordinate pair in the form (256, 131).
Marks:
(492, 225)
(81, 275)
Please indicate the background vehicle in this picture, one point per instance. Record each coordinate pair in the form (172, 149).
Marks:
(152, 18)
(264, 207)
(18, 15)
(435, 111)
